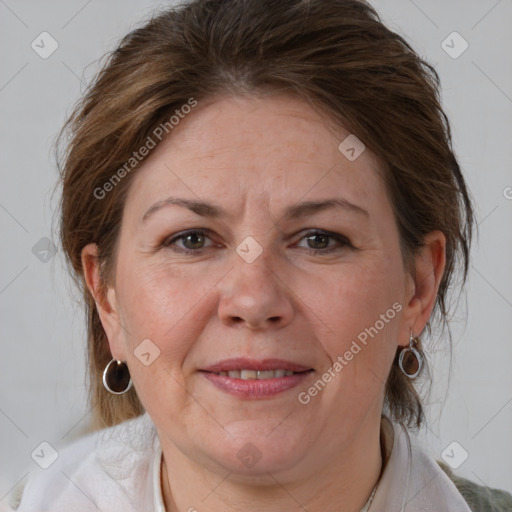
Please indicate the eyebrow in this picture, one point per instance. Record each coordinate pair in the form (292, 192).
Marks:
(205, 209)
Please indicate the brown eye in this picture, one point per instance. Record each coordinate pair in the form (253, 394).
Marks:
(318, 241)
(189, 242)
(193, 241)
(323, 242)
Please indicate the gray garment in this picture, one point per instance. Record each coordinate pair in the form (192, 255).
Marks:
(480, 498)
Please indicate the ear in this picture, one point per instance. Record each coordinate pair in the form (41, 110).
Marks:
(105, 299)
(430, 262)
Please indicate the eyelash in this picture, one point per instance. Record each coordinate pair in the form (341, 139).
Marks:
(340, 239)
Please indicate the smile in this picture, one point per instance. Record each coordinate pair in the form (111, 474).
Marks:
(256, 384)
(255, 374)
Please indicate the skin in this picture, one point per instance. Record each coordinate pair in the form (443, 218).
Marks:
(254, 157)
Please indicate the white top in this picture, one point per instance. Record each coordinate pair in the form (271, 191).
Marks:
(118, 470)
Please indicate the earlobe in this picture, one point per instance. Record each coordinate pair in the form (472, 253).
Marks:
(430, 262)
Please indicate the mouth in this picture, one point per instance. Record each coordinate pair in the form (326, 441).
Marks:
(250, 379)
(243, 364)
(257, 374)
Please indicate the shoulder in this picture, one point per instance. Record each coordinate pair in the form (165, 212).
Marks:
(101, 470)
(478, 497)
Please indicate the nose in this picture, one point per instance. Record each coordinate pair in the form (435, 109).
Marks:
(252, 295)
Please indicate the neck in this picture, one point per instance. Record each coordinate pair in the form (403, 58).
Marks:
(345, 483)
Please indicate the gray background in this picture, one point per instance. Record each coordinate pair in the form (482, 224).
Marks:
(42, 395)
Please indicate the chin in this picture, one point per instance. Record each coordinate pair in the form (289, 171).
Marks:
(260, 453)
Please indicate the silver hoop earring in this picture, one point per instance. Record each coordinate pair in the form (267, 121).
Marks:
(116, 377)
(410, 360)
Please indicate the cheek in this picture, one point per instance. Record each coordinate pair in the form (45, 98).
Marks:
(156, 306)
(158, 302)
(362, 311)
(361, 292)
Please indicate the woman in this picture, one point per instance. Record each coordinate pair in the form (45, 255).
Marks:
(264, 212)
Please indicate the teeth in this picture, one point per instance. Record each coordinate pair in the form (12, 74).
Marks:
(265, 374)
(256, 374)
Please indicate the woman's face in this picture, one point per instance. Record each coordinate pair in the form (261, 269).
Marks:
(287, 257)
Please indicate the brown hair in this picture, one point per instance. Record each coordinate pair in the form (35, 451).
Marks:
(335, 54)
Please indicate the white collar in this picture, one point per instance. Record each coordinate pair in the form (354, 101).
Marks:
(413, 482)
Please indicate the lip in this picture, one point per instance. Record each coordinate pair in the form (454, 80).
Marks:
(256, 389)
(242, 363)
(253, 388)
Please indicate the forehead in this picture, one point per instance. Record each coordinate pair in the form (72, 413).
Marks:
(278, 148)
